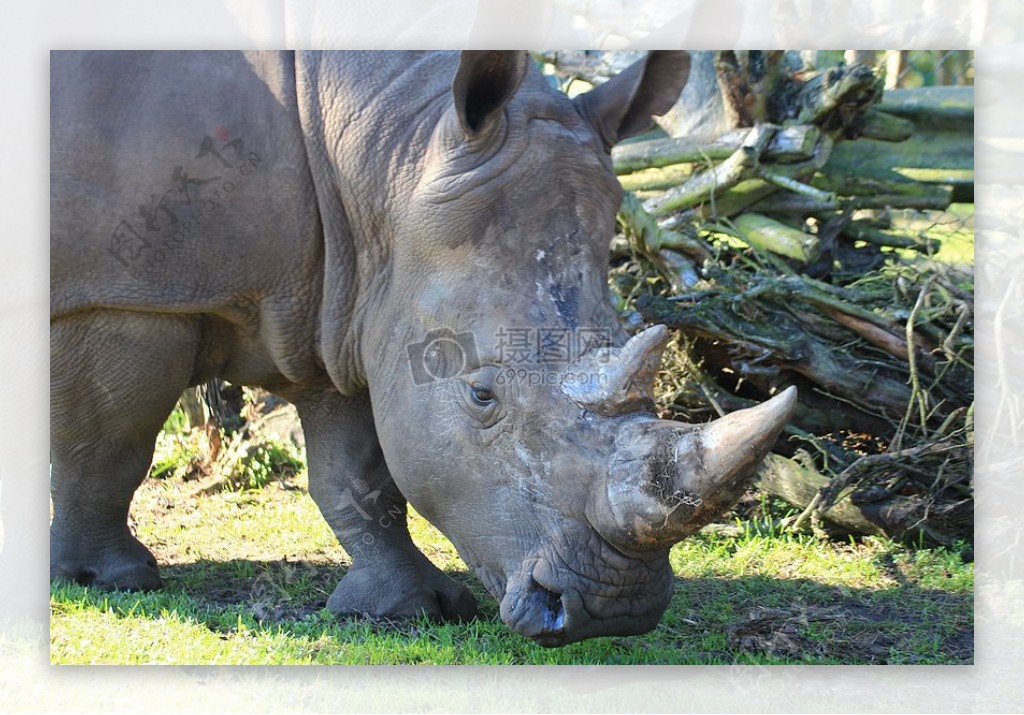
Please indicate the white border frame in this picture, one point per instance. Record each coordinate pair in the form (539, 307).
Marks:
(993, 28)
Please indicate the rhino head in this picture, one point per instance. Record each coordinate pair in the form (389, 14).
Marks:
(543, 462)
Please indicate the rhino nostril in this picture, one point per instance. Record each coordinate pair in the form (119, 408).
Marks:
(551, 607)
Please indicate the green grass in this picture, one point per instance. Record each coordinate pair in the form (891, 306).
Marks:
(248, 571)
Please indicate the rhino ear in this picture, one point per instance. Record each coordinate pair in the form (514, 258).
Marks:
(623, 106)
(484, 83)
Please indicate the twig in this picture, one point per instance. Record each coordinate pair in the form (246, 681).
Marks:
(954, 333)
(797, 187)
(831, 491)
(916, 394)
(811, 513)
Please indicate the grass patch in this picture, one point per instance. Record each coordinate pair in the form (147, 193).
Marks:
(248, 569)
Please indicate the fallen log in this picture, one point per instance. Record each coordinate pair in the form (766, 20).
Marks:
(742, 180)
(780, 344)
(939, 151)
(948, 108)
(703, 186)
(878, 494)
(657, 178)
(796, 204)
(861, 231)
(798, 482)
(886, 127)
(766, 234)
(788, 144)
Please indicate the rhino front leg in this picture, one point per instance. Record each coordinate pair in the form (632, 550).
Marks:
(351, 484)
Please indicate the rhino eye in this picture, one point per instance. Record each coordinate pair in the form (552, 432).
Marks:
(482, 396)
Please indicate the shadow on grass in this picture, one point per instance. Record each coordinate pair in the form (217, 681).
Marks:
(748, 619)
(801, 620)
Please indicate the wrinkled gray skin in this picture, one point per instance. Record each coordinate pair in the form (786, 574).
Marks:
(373, 198)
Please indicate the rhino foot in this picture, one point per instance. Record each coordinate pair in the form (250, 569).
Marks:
(126, 565)
(413, 592)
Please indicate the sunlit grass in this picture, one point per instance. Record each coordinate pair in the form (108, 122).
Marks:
(248, 572)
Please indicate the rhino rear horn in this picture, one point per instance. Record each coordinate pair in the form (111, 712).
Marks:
(484, 82)
(620, 380)
(623, 106)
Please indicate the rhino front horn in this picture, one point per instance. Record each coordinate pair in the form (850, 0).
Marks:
(667, 480)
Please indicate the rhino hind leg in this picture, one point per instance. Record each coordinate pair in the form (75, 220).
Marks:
(351, 485)
(114, 378)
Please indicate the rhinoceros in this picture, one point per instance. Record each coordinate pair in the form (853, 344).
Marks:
(411, 247)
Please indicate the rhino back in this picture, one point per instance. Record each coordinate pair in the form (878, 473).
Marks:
(180, 183)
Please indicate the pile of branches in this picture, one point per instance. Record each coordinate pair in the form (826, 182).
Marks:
(770, 249)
